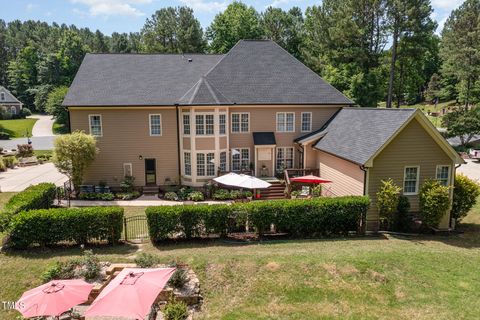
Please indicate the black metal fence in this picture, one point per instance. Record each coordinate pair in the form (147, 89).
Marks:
(135, 228)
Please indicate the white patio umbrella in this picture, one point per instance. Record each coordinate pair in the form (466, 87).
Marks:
(250, 182)
(229, 179)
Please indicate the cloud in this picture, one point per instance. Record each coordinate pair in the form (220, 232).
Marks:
(446, 4)
(205, 6)
(31, 6)
(113, 7)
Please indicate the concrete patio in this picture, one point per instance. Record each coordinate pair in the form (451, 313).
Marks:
(18, 179)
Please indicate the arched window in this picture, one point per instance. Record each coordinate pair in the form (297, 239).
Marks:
(13, 110)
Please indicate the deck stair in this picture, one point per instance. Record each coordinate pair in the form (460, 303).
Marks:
(275, 191)
(150, 190)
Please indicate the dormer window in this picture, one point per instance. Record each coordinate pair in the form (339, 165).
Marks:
(2, 96)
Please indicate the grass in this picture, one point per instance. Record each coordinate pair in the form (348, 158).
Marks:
(17, 128)
(42, 152)
(59, 128)
(344, 278)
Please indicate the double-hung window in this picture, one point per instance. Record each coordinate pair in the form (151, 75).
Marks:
(127, 170)
(200, 164)
(2, 96)
(284, 158)
(222, 123)
(204, 124)
(306, 121)
(205, 164)
(285, 121)
(155, 125)
(443, 175)
(187, 162)
(95, 123)
(411, 180)
(240, 159)
(186, 124)
(223, 161)
(240, 122)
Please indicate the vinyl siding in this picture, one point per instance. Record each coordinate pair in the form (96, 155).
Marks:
(412, 147)
(125, 137)
(347, 178)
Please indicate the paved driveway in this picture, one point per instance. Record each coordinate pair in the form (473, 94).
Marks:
(471, 169)
(18, 179)
(43, 127)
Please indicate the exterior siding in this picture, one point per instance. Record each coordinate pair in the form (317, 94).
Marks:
(125, 137)
(311, 161)
(347, 178)
(412, 147)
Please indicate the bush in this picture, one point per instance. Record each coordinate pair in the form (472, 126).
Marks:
(401, 219)
(61, 270)
(178, 279)
(221, 194)
(4, 135)
(108, 196)
(302, 218)
(146, 260)
(24, 150)
(195, 196)
(10, 161)
(126, 185)
(39, 196)
(81, 225)
(184, 192)
(465, 193)
(387, 199)
(128, 195)
(3, 167)
(434, 202)
(25, 112)
(91, 265)
(175, 311)
(172, 196)
(236, 194)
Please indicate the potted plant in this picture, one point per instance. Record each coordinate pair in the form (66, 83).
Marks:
(294, 194)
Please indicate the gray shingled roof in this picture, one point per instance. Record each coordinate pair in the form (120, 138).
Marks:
(264, 138)
(136, 79)
(356, 134)
(9, 97)
(253, 72)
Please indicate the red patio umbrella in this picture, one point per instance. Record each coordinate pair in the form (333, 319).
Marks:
(54, 298)
(310, 179)
(131, 294)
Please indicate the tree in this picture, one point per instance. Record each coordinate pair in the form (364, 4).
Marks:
(460, 49)
(72, 154)
(173, 30)
(462, 123)
(22, 75)
(237, 22)
(410, 23)
(465, 194)
(54, 106)
(433, 90)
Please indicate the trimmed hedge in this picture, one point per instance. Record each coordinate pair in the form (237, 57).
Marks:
(81, 225)
(40, 196)
(299, 218)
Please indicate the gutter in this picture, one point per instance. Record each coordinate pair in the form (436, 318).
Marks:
(362, 167)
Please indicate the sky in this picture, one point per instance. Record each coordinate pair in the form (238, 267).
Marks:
(129, 15)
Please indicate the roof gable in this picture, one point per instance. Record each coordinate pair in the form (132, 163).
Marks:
(203, 93)
(8, 96)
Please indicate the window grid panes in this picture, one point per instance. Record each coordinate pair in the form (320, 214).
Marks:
(306, 122)
(2, 96)
(96, 125)
(284, 158)
(222, 121)
(285, 122)
(223, 161)
(443, 174)
(241, 160)
(186, 124)
(200, 164)
(240, 122)
(155, 125)
(200, 124)
(210, 164)
(410, 180)
(188, 163)
(209, 129)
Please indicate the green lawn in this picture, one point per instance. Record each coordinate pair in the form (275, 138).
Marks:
(42, 152)
(357, 278)
(59, 128)
(17, 128)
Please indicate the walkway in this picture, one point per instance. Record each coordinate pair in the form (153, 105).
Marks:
(43, 127)
(471, 169)
(18, 179)
(143, 201)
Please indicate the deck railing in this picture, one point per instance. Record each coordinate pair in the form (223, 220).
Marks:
(291, 173)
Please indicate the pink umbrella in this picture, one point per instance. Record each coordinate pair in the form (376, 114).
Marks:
(131, 294)
(310, 179)
(53, 298)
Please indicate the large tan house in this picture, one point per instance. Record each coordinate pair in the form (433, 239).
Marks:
(182, 119)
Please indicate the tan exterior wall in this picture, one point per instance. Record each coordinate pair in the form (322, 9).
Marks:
(125, 137)
(207, 144)
(186, 143)
(311, 156)
(412, 147)
(347, 178)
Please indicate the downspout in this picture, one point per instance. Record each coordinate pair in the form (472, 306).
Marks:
(178, 145)
(69, 121)
(363, 227)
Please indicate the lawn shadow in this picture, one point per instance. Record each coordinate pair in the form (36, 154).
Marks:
(10, 132)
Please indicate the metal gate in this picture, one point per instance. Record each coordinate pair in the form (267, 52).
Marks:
(135, 228)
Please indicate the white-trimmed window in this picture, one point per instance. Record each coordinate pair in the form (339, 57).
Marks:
(205, 164)
(127, 170)
(306, 121)
(204, 124)
(13, 110)
(95, 123)
(284, 158)
(186, 124)
(240, 122)
(222, 123)
(285, 121)
(223, 161)
(2, 96)
(155, 125)
(240, 159)
(187, 162)
(443, 175)
(410, 180)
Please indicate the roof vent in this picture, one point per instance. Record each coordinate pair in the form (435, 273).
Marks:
(189, 59)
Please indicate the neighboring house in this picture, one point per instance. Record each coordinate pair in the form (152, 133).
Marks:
(172, 118)
(8, 102)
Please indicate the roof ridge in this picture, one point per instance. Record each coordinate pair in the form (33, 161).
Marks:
(10, 94)
(212, 92)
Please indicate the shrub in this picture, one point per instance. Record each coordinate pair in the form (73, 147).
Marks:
(4, 135)
(178, 279)
(10, 161)
(175, 311)
(3, 167)
(465, 193)
(236, 194)
(39, 196)
(126, 185)
(221, 194)
(25, 112)
(434, 202)
(387, 199)
(146, 260)
(81, 225)
(401, 216)
(184, 192)
(24, 150)
(60, 270)
(303, 218)
(172, 196)
(195, 196)
(108, 196)
(128, 195)
(91, 265)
